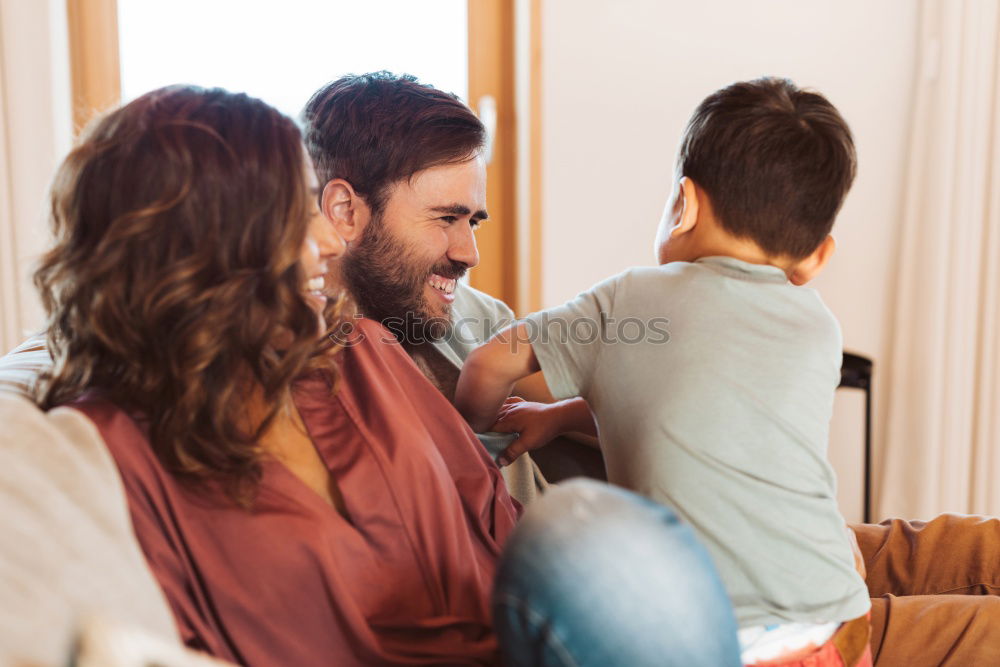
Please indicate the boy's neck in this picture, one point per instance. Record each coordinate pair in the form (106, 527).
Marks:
(714, 241)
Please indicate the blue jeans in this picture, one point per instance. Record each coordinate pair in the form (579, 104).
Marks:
(596, 575)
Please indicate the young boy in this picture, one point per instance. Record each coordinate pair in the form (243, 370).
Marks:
(711, 377)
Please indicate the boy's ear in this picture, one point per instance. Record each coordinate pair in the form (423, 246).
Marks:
(686, 207)
(810, 267)
(345, 209)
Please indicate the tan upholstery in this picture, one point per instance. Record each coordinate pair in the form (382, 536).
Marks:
(67, 548)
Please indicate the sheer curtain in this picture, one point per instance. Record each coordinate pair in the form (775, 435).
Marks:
(942, 418)
(35, 133)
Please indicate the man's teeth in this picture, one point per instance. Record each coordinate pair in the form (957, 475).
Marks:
(315, 284)
(446, 285)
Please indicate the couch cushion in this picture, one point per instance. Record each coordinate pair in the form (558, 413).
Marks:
(67, 549)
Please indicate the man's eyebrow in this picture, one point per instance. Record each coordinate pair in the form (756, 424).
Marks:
(459, 210)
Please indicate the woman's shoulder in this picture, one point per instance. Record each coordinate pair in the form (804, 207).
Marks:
(123, 434)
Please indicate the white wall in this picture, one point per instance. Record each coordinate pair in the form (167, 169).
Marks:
(620, 79)
(35, 134)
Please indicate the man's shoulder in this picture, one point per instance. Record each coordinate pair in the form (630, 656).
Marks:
(475, 317)
(21, 367)
(470, 302)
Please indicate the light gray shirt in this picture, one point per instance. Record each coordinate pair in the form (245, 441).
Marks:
(712, 386)
(475, 317)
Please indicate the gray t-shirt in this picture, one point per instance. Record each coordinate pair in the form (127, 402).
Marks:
(712, 385)
(475, 317)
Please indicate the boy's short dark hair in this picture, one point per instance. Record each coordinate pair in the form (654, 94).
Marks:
(776, 162)
(377, 129)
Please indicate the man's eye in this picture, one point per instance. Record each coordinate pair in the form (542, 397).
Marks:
(448, 218)
(475, 224)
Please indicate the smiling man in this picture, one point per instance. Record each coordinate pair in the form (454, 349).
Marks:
(405, 185)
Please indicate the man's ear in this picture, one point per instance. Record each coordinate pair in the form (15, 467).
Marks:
(810, 267)
(345, 209)
(686, 207)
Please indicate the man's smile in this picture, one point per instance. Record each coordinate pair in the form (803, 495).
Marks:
(444, 287)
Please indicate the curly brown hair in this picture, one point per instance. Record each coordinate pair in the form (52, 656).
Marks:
(179, 221)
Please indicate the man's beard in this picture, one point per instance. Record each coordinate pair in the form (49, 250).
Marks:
(387, 281)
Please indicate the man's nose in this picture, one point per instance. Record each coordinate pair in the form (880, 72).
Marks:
(462, 246)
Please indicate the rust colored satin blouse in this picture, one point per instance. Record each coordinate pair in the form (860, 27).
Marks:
(406, 581)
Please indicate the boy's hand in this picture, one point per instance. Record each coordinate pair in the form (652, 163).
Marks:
(535, 422)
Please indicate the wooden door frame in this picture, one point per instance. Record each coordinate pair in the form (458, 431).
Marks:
(95, 67)
(507, 243)
(491, 74)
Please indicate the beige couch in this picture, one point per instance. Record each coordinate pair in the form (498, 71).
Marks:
(68, 553)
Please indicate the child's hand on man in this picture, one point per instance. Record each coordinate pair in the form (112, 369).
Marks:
(535, 423)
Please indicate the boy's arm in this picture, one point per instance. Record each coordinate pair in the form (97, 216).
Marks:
(538, 423)
(534, 388)
(490, 372)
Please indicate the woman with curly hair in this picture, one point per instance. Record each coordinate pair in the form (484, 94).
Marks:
(298, 503)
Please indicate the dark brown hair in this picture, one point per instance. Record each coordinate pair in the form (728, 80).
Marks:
(775, 161)
(179, 222)
(376, 129)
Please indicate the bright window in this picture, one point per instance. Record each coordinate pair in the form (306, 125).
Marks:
(282, 52)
